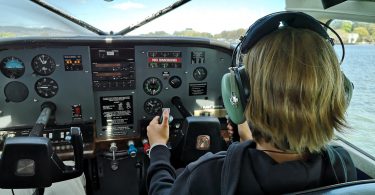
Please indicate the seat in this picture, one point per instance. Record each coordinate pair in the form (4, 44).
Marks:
(355, 187)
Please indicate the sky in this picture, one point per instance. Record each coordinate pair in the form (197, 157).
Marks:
(211, 16)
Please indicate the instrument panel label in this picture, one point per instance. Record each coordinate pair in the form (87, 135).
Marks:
(164, 59)
(197, 89)
(116, 110)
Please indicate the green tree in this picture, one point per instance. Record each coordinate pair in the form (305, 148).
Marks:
(347, 26)
(363, 34)
(157, 33)
(362, 31)
(371, 28)
(192, 33)
(231, 35)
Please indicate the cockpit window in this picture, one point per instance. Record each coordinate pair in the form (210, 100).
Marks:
(359, 67)
(20, 18)
(217, 19)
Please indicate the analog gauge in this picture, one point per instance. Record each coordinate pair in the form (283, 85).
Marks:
(46, 87)
(12, 67)
(152, 86)
(15, 92)
(200, 73)
(175, 81)
(43, 65)
(153, 106)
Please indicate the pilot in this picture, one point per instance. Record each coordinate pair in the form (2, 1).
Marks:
(296, 102)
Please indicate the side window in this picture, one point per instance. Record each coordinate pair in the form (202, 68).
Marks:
(359, 67)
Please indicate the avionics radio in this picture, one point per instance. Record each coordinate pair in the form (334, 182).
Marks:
(112, 76)
(113, 69)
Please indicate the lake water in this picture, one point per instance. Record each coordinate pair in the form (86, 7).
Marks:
(359, 67)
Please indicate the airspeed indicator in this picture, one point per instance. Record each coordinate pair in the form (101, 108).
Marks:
(43, 65)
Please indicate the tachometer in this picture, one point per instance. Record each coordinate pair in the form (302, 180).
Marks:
(12, 67)
(153, 106)
(43, 64)
(46, 87)
(152, 86)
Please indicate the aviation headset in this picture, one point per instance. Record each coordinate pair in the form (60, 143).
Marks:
(235, 85)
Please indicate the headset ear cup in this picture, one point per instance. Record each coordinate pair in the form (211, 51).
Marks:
(349, 87)
(232, 98)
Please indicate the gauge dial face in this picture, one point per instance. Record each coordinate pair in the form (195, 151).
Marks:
(200, 73)
(43, 64)
(175, 81)
(46, 87)
(12, 67)
(153, 106)
(152, 86)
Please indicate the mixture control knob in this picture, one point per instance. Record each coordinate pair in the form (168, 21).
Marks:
(146, 146)
(132, 151)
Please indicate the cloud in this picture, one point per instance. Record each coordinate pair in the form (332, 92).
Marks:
(128, 5)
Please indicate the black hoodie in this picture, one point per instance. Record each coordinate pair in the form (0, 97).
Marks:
(245, 170)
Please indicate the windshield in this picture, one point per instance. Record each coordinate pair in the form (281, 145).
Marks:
(221, 19)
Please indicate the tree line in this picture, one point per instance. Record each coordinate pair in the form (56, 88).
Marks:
(350, 32)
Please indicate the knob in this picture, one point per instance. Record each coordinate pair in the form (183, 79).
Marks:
(146, 146)
(132, 151)
(113, 147)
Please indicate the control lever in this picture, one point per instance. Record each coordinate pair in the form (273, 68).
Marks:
(114, 163)
(48, 110)
(68, 172)
(176, 101)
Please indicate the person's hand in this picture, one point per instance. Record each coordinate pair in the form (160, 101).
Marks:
(230, 129)
(159, 133)
(244, 132)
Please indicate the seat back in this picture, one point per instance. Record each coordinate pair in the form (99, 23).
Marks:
(355, 187)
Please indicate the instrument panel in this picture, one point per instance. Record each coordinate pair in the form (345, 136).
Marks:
(114, 87)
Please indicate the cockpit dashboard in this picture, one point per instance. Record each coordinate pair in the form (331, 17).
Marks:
(110, 87)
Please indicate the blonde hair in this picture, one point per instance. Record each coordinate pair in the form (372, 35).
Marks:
(297, 94)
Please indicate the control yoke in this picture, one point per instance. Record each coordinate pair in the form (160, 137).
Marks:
(176, 101)
(30, 162)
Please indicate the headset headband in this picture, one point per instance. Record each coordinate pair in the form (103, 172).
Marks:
(272, 22)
